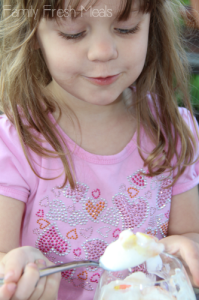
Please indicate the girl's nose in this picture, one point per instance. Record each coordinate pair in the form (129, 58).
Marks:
(102, 49)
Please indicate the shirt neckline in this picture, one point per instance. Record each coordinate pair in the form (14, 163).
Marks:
(96, 158)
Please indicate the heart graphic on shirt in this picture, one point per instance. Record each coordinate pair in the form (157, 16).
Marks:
(148, 194)
(152, 211)
(164, 228)
(40, 213)
(154, 184)
(76, 194)
(164, 194)
(68, 274)
(72, 234)
(132, 192)
(167, 214)
(71, 209)
(122, 188)
(44, 202)
(83, 284)
(111, 217)
(134, 214)
(96, 193)
(43, 223)
(57, 211)
(94, 208)
(86, 232)
(138, 180)
(94, 249)
(83, 275)
(95, 277)
(151, 231)
(116, 233)
(52, 241)
(104, 231)
(56, 192)
(36, 231)
(77, 252)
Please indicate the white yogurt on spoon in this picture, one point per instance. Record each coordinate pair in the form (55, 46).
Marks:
(130, 250)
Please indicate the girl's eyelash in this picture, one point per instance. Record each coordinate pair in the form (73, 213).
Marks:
(80, 35)
(129, 31)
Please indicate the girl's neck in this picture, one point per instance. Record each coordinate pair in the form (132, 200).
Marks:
(99, 129)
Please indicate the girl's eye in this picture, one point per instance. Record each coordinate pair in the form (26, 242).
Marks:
(80, 35)
(71, 36)
(128, 31)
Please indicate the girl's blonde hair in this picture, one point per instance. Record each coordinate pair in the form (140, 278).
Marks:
(24, 76)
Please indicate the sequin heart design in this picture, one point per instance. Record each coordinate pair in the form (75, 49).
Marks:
(164, 195)
(72, 234)
(137, 180)
(152, 211)
(86, 232)
(132, 192)
(94, 208)
(133, 215)
(95, 277)
(77, 252)
(116, 233)
(44, 202)
(83, 275)
(51, 240)
(57, 211)
(151, 231)
(68, 275)
(164, 228)
(167, 214)
(43, 223)
(96, 193)
(122, 188)
(148, 195)
(78, 194)
(83, 284)
(154, 184)
(78, 218)
(104, 231)
(71, 209)
(56, 192)
(40, 213)
(94, 249)
(36, 231)
(111, 217)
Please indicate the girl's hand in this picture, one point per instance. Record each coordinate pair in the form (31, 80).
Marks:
(187, 251)
(20, 270)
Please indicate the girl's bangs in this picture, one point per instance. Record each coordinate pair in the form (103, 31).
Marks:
(72, 6)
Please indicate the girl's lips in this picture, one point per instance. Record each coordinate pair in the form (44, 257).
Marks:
(103, 81)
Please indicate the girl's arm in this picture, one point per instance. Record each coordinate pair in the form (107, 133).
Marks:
(21, 263)
(183, 239)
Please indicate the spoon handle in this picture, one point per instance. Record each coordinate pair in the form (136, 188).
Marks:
(62, 267)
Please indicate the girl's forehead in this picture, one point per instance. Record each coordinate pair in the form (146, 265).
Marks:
(115, 5)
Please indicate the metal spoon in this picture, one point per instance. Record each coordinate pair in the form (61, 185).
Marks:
(63, 267)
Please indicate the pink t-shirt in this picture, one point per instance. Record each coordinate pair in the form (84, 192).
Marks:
(110, 196)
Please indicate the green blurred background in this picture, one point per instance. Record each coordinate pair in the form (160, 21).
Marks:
(194, 82)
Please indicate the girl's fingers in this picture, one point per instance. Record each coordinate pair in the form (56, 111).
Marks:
(7, 291)
(26, 284)
(187, 250)
(40, 285)
(52, 287)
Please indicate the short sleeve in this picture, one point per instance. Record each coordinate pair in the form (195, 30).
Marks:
(16, 176)
(190, 178)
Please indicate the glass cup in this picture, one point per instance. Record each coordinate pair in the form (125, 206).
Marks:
(169, 281)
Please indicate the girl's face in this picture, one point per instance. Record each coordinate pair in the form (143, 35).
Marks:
(91, 46)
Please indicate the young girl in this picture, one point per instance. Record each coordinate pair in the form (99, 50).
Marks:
(92, 141)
